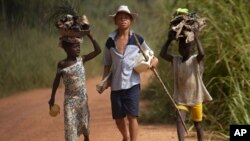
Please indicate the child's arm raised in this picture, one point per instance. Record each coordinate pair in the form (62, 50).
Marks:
(164, 50)
(94, 53)
(201, 52)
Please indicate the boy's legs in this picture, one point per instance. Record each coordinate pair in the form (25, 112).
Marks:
(133, 128)
(180, 127)
(131, 106)
(118, 113)
(122, 126)
(125, 103)
(197, 118)
(199, 130)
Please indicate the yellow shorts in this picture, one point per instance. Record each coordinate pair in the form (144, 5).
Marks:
(196, 111)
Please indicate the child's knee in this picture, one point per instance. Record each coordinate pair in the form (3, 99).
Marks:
(198, 125)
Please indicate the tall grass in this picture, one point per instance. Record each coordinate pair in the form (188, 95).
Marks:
(230, 79)
(226, 41)
(29, 51)
(27, 60)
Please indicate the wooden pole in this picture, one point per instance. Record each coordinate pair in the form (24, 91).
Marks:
(163, 85)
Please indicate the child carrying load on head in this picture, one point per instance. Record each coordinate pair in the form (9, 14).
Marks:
(71, 70)
(189, 89)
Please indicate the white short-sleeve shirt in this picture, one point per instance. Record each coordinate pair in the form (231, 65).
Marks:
(123, 74)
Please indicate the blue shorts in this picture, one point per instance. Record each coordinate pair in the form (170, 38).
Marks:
(125, 102)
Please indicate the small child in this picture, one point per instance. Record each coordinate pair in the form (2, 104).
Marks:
(189, 90)
(71, 69)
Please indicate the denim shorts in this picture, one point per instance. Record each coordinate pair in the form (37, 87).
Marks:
(125, 102)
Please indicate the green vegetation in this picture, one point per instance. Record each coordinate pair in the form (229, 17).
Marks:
(29, 51)
(29, 40)
(226, 41)
(27, 60)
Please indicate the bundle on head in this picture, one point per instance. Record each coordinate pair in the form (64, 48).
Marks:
(68, 21)
(184, 23)
(70, 25)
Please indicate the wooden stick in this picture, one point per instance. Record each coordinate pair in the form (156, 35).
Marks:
(164, 87)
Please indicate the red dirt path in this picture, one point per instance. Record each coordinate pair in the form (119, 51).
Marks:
(25, 117)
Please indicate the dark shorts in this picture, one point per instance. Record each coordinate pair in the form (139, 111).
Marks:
(125, 102)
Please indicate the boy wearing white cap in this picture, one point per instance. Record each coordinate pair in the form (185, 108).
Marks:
(121, 52)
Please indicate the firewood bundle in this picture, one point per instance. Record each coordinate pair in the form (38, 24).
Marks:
(184, 23)
(75, 26)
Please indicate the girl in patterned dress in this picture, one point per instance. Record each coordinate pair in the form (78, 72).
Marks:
(71, 70)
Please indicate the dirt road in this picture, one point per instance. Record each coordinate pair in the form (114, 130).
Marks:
(24, 117)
